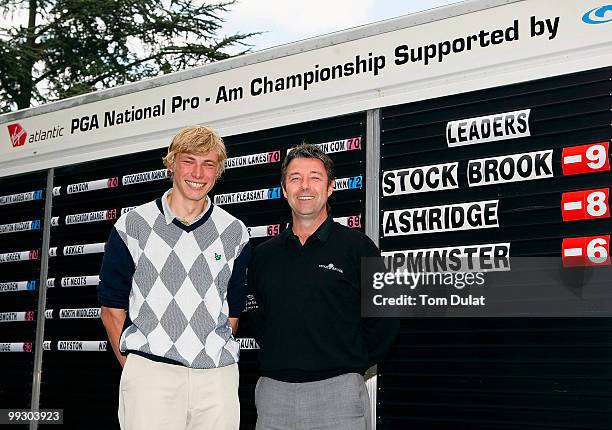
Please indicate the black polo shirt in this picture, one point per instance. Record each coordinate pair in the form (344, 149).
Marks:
(308, 322)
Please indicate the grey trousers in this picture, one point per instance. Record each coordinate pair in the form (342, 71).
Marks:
(339, 403)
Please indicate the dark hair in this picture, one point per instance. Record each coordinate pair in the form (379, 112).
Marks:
(307, 150)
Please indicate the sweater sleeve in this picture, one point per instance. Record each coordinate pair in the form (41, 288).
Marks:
(378, 333)
(116, 273)
(237, 289)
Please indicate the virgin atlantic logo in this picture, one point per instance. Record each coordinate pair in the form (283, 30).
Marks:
(18, 134)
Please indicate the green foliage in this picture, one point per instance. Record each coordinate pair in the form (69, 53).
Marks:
(69, 47)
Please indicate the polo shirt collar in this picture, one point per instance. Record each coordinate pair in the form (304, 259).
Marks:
(322, 233)
(170, 216)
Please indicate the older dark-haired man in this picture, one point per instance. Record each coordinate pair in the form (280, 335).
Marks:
(315, 346)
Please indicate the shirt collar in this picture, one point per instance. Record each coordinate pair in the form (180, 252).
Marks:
(322, 233)
(170, 216)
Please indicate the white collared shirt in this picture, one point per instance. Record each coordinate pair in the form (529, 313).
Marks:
(170, 216)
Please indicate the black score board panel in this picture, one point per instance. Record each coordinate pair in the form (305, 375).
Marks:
(21, 219)
(80, 372)
(343, 139)
(524, 169)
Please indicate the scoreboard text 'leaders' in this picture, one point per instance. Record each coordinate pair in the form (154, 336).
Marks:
(490, 128)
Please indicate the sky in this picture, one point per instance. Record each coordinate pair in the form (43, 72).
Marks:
(285, 21)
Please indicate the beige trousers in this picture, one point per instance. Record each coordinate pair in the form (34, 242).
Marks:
(164, 396)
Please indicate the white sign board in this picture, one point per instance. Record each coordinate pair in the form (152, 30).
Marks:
(510, 43)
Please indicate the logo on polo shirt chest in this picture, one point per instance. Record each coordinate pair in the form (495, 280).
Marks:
(330, 266)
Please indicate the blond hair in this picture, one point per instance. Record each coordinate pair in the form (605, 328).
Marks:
(197, 139)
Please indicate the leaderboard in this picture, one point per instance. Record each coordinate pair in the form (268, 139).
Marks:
(21, 220)
(476, 215)
(517, 179)
(89, 198)
(505, 180)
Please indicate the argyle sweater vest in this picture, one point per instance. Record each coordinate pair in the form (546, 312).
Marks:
(179, 284)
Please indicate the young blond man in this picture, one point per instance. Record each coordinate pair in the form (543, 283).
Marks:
(172, 286)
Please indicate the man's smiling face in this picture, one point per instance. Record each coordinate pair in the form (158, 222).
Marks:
(194, 175)
(307, 187)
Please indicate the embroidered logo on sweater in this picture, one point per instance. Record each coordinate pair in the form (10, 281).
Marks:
(330, 266)
(217, 256)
